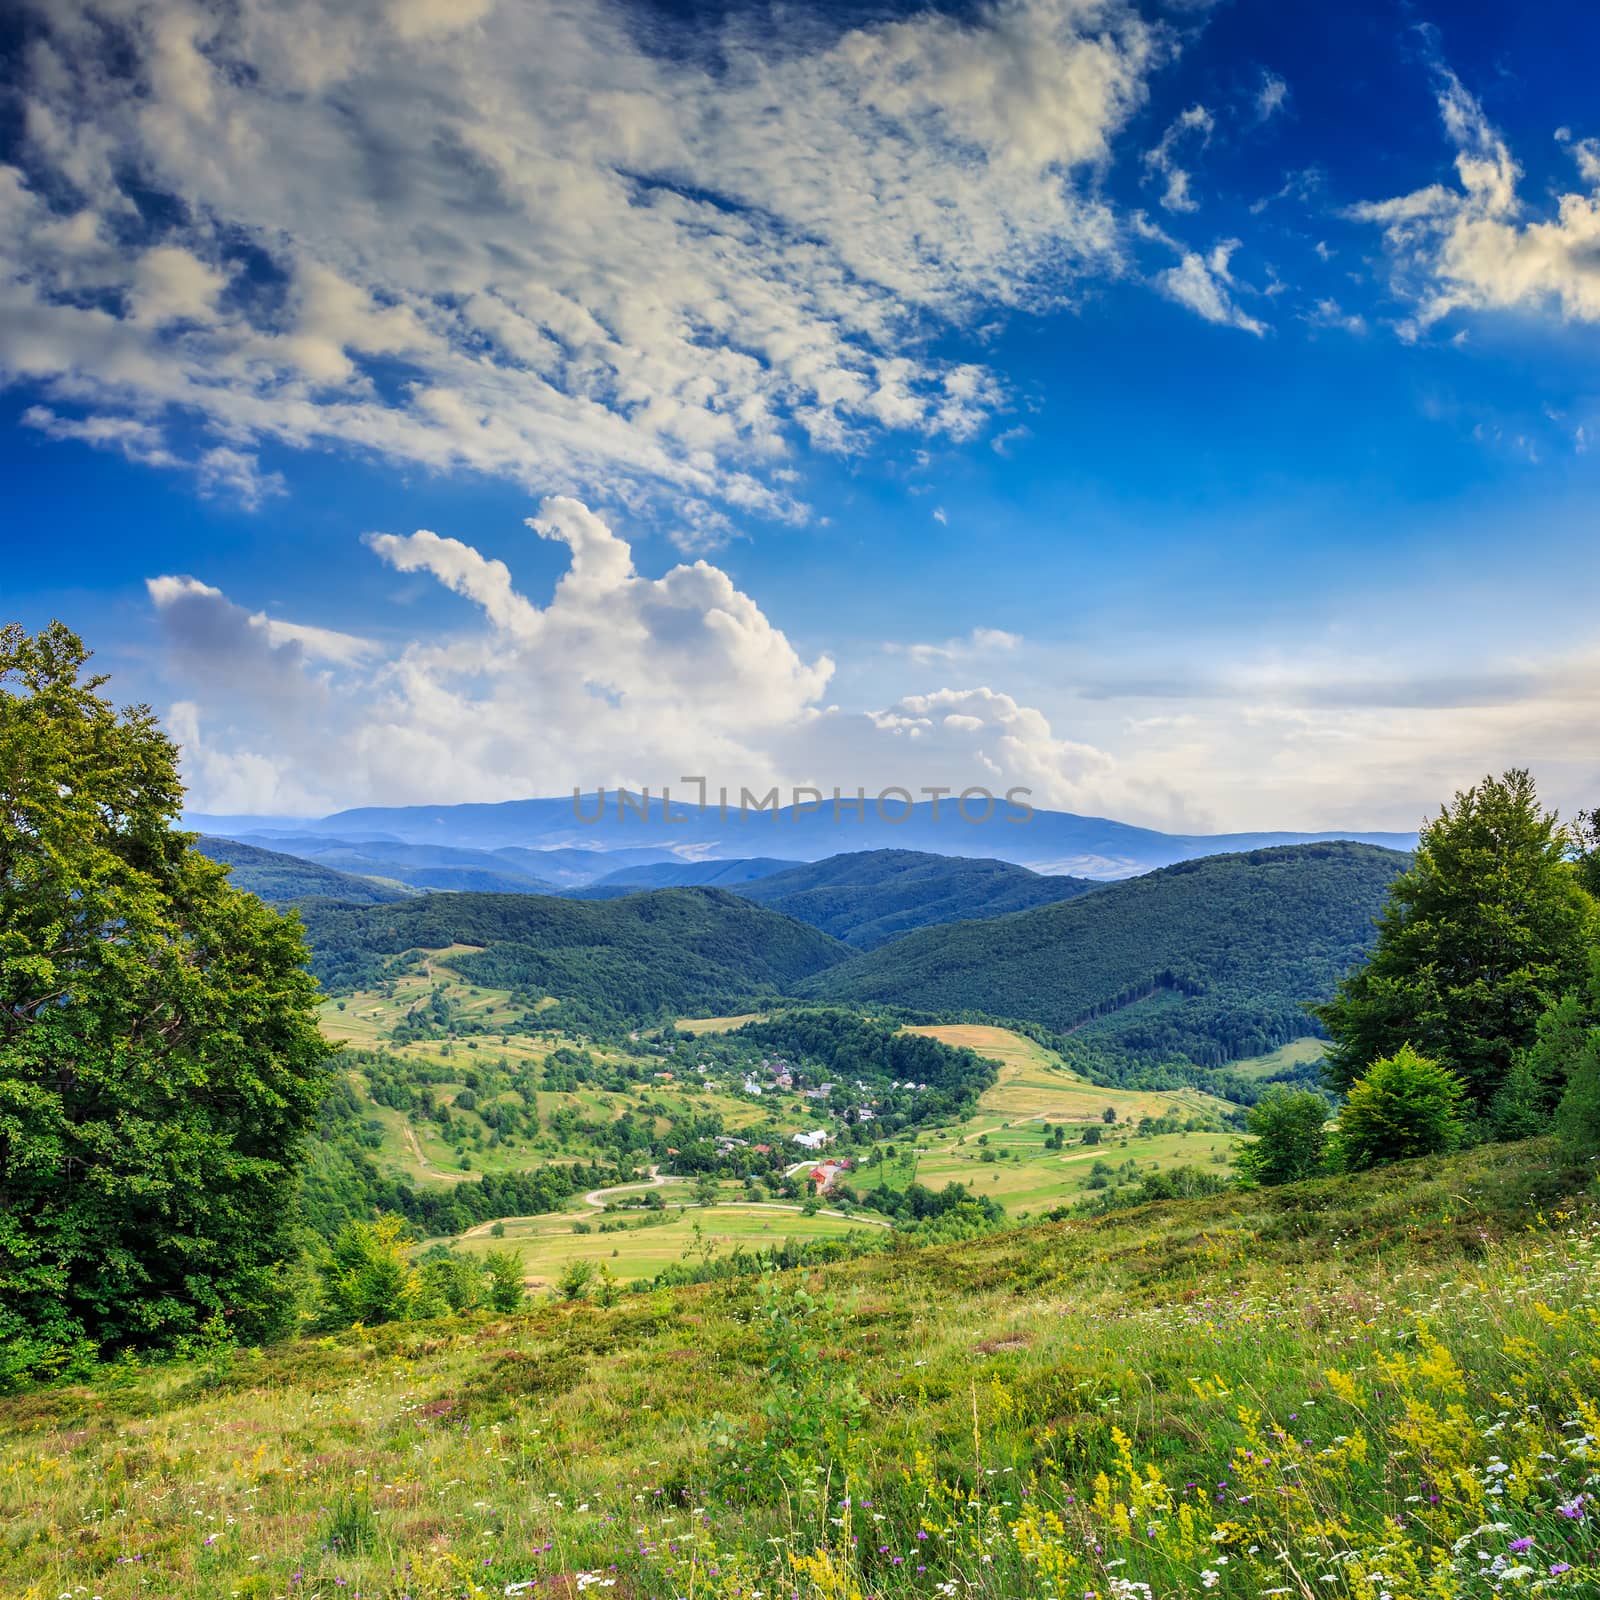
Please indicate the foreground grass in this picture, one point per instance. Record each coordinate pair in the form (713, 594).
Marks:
(1365, 1388)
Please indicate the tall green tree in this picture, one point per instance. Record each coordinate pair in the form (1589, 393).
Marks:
(1487, 927)
(1565, 1061)
(1584, 833)
(159, 1057)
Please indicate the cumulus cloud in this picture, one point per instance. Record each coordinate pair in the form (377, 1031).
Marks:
(525, 239)
(616, 677)
(1204, 284)
(1476, 245)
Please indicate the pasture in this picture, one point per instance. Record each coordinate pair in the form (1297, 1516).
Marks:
(646, 1246)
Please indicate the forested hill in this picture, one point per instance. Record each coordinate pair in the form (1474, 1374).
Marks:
(671, 951)
(280, 879)
(868, 897)
(1212, 960)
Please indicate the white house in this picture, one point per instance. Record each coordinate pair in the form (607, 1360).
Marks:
(811, 1141)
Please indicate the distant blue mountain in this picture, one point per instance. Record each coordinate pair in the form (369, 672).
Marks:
(1056, 842)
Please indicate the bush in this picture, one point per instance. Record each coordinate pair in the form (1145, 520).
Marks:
(1290, 1137)
(1404, 1105)
(366, 1277)
(505, 1280)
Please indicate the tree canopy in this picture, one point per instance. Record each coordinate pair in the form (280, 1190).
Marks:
(159, 1058)
(1487, 927)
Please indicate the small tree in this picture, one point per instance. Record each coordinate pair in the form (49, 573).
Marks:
(1290, 1137)
(575, 1279)
(506, 1292)
(366, 1277)
(1404, 1105)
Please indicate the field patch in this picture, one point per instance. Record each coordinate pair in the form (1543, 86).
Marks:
(546, 1244)
(1034, 1082)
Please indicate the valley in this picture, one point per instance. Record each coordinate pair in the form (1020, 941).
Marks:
(453, 1081)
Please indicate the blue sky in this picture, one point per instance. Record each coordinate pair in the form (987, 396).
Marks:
(1189, 412)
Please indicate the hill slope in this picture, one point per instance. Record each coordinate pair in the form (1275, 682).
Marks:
(1211, 960)
(693, 874)
(1166, 1348)
(871, 896)
(280, 879)
(641, 956)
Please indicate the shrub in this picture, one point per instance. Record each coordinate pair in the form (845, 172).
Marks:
(506, 1292)
(1290, 1137)
(1404, 1105)
(366, 1277)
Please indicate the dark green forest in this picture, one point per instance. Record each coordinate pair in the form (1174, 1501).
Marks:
(282, 880)
(872, 896)
(1208, 961)
(672, 952)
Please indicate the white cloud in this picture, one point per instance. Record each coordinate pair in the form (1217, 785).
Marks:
(980, 641)
(138, 441)
(1328, 313)
(1203, 284)
(1192, 126)
(237, 473)
(618, 678)
(1474, 245)
(1272, 95)
(510, 237)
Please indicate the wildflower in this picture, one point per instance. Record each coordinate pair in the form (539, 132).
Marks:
(1519, 1545)
(1210, 1578)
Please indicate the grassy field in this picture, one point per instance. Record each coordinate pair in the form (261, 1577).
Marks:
(1034, 1082)
(1034, 1179)
(1294, 1054)
(1357, 1388)
(546, 1244)
(700, 1025)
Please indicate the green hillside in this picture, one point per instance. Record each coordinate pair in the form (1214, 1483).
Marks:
(1210, 960)
(869, 897)
(1387, 1380)
(643, 956)
(280, 879)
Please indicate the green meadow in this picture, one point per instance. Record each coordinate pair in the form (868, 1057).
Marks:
(1357, 1387)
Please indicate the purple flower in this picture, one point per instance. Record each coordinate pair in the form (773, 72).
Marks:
(1519, 1545)
(1558, 1567)
(1573, 1509)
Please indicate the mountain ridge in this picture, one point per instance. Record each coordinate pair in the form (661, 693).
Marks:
(1056, 842)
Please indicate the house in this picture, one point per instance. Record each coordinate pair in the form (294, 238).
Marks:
(751, 1086)
(763, 1149)
(827, 1174)
(812, 1141)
